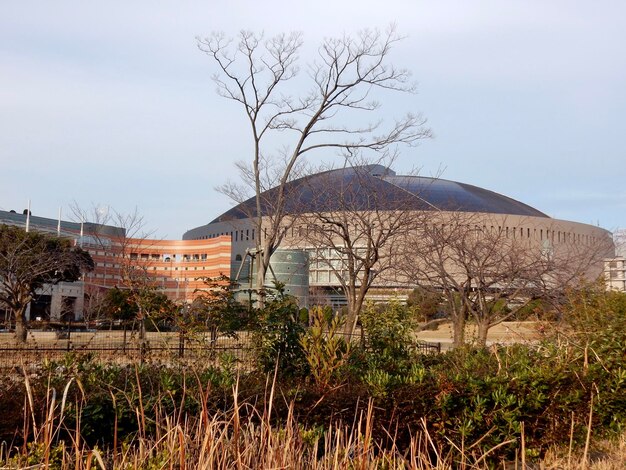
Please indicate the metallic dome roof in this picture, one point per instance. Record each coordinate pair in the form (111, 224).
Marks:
(377, 187)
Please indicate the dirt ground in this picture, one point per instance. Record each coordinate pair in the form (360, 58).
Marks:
(504, 333)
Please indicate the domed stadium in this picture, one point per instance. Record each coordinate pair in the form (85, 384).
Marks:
(378, 188)
(316, 193)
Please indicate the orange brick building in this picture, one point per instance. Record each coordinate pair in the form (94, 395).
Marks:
(175, 266)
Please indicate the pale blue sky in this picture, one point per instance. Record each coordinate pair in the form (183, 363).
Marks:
(111, 102)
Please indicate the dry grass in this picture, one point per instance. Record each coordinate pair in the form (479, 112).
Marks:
(246, 437)
(606, 455)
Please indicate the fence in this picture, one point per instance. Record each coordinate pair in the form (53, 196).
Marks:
(124, 343)
(121, 343)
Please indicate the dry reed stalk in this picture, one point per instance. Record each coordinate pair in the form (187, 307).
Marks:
(523, 456)
(571, 442)
(588, 439)
(29, 397)
(47, 432)
(243, 437)
(142, 414)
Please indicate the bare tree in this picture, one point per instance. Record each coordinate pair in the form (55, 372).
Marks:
(96, 305)
(488, 271)
(619, 238)
(123, 239)
(355, 223)
(258, 74)
(28, 261)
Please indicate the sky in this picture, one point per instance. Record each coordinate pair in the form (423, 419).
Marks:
(111, 104)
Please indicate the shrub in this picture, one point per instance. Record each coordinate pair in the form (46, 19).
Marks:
(276, 339)
(325, 349)
(389, 329)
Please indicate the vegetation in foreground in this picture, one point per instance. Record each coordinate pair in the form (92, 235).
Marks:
(316, 402)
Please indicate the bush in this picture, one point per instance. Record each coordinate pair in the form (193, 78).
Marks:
(325, 349)
(389, 328)
(277, 336)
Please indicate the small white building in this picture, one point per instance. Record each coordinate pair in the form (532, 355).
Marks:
(58, 302)
(615, 273)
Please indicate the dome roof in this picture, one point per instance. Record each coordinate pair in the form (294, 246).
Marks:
(377, 187)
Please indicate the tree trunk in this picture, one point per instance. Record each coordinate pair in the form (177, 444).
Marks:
(349, 325)
(458, 329)
(142, 330)
(142, 325)
(261, 272)
(483, 329)
(21, 326)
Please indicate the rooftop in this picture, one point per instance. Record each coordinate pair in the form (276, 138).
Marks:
(375, 186)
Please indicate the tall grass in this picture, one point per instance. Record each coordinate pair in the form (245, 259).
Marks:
(247, 436)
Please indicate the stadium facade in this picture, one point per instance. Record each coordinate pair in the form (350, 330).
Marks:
(375, 187)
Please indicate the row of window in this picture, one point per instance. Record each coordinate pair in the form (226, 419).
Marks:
(195, 268)
(104, 276)
(154, 268)
(165, 257)
(157, 279)
(556, 236)
(169, 257)
(236, 235)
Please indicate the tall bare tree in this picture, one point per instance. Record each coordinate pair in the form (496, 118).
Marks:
(355, 222)
(261, 74)
(489, 271)
(28, 261)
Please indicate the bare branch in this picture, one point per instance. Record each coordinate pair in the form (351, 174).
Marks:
(254, 73)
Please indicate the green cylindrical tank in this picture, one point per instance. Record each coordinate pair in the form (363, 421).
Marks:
(288, 267)
(291, 268)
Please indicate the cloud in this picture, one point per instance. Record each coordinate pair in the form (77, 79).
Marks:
(113, 102)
